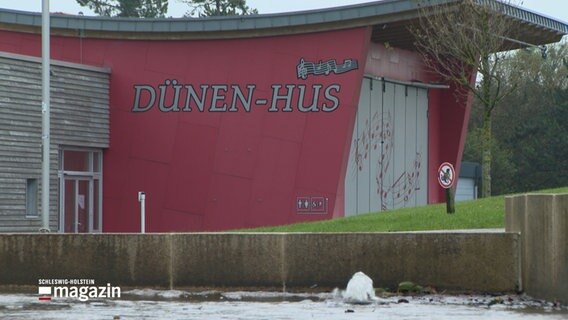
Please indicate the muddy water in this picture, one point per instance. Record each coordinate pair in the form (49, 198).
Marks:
(173, 304)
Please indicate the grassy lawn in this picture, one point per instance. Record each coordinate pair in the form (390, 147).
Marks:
(475, 214)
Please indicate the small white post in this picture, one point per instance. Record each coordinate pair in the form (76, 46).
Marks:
(142, 200)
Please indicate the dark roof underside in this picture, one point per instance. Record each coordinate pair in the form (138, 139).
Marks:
(526, 28)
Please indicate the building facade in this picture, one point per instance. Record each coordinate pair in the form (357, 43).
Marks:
(228, 123)
(80, 133)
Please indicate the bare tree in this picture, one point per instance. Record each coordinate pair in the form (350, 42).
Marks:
(465, 42)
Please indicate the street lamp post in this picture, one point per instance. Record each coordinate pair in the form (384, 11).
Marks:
(45, 115)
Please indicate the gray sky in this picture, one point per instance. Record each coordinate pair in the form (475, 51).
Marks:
(553, 8)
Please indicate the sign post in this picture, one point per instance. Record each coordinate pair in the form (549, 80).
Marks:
(447, 178)
(142, 200)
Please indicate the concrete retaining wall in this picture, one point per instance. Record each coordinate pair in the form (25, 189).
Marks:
(542, 220)
(455, 261)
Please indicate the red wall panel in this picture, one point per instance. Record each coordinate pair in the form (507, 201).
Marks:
(229, 203)
(274, 183)
(190, 168)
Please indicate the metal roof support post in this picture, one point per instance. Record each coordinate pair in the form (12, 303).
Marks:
(45, 115)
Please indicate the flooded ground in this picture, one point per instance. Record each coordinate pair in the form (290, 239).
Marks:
(175, 304)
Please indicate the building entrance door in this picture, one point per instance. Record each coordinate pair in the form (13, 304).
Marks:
(78, 211)
(80, 191)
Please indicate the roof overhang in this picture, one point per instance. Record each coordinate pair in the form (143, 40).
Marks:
(527, 28)
(389, 19)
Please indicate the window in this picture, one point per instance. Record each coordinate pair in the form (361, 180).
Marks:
(31, 198)
(77, 160)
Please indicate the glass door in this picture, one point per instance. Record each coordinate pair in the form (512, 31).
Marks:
(69, 219)
(80, 191)
(78, 211)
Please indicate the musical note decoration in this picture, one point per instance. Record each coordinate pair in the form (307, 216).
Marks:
(393, 189)
(306, 68)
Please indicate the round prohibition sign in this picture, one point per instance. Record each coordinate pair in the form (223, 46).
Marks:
(446, 175)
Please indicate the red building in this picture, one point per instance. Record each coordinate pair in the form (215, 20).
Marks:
(237, 122)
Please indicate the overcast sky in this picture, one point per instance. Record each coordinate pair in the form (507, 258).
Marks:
(554, 8)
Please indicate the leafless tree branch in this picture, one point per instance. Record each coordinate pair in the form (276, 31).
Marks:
(464, 39)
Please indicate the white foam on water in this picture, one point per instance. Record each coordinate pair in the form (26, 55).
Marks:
(150, 304)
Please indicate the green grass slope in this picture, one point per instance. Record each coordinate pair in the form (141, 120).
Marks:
(475, 214)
